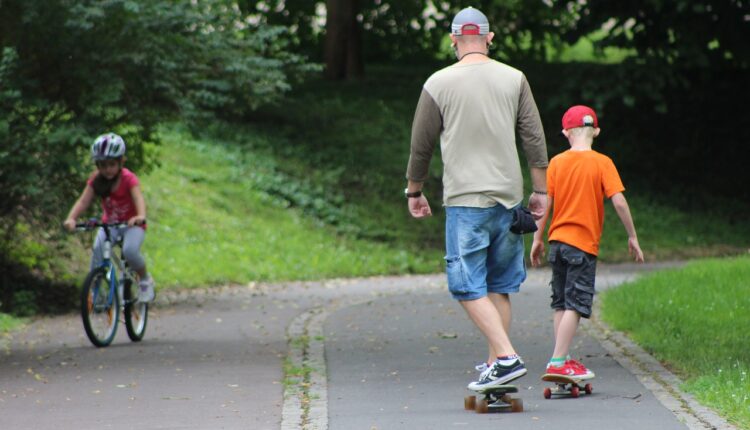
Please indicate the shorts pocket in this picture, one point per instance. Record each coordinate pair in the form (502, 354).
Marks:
(584, 298)
(455, 272)
(552, 256)
(572, 256)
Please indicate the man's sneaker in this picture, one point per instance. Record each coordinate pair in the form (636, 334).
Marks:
(146, 290)
(572, 369)
(481, 367)
(497, 374)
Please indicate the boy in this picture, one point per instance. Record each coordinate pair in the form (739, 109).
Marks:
(578, 180)
(122, 201)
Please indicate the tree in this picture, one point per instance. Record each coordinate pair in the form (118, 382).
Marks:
(343, 43)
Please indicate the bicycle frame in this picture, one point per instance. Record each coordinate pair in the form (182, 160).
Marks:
(111, 262)
(95, 306)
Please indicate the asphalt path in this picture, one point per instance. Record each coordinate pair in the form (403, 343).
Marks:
(387, 352)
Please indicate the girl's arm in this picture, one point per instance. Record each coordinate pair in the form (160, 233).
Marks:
(623, 211)
(140, 206)
(80, 206)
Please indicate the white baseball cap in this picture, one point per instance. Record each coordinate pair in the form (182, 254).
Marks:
(470, 21)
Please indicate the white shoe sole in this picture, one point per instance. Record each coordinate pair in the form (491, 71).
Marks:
(477, 386)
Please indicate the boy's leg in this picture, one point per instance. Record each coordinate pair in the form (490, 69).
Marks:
(565, 332)
(572, 296)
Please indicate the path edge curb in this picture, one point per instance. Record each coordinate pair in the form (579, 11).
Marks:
(655, 377)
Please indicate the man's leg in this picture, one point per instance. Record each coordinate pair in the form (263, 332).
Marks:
(502, 304)
(486, 317)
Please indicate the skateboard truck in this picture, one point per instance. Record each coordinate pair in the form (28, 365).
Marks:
(565, 385)
(495, 399)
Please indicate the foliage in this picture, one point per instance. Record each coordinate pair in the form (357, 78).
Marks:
(694, 318)
(72, 70)
(409, 29)
(680, 45)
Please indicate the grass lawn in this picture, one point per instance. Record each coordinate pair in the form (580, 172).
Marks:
(696, 319)
(8, 322)
(213, 220)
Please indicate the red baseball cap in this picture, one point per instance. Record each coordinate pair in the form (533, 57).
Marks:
(579, 116)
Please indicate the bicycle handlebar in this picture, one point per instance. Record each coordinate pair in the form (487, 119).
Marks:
(94, 222)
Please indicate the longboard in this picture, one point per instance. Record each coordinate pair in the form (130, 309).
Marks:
(495, 399)
(566, 386)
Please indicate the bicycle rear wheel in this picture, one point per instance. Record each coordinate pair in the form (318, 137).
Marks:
(99, 308)
(136, 312)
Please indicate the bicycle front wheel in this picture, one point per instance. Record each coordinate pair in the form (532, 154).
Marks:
(99, 308)
(136, 312)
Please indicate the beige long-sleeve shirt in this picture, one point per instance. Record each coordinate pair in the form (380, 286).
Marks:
(475, 110)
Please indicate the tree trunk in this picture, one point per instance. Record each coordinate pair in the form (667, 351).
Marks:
(343, 43)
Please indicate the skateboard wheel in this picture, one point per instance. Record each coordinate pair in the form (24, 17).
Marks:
(516, 405)
(470, 402)
(482, 407)
(574, 391)
(588, 388)
(547, 393)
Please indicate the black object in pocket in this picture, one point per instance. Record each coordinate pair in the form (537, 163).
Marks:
(523, 221)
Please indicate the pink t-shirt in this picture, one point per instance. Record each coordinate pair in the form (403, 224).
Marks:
(119, 205)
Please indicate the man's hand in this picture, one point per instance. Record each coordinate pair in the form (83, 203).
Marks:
(419, 207)
(537, 205)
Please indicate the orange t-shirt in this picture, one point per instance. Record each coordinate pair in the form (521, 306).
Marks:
(578, 182)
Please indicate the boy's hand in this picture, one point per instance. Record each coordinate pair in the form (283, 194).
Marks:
(69, 224)
(635, 249)
(537, 252)
(419, 207)
(137, 220)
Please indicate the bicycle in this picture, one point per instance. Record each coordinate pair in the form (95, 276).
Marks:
(104, 294)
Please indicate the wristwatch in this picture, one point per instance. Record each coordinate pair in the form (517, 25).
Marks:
(413, 195)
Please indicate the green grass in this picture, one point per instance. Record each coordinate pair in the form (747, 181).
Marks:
(213, 220)
(695, 319)
(8, 323)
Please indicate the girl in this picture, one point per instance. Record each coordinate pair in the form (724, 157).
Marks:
(122, 201)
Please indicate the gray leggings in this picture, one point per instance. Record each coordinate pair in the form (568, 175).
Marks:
(131, 246)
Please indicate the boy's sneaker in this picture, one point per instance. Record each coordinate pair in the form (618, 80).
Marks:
(146, 291)
(581, 369)
(572, 369)
(497, 374)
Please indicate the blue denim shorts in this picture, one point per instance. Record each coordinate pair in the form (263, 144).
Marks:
(573, 278)
(482, 255)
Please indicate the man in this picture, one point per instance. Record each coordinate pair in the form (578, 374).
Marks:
(474, 107)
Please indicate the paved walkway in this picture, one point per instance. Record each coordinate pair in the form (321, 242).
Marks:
(378, 353)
